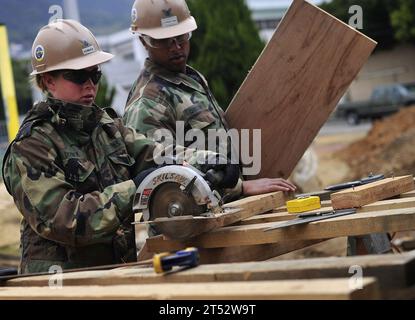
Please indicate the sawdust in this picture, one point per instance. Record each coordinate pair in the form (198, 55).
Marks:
(388, 148)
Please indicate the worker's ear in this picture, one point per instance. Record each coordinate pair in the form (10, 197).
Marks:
(49, 82)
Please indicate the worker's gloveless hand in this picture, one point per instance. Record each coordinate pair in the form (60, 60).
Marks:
(265, 185)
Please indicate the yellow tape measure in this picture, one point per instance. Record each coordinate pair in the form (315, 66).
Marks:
(303, 204)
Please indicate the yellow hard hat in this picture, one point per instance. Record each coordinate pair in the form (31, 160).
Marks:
(66, 44)
(161, 19)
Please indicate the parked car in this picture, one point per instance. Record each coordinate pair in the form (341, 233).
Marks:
(385, 100)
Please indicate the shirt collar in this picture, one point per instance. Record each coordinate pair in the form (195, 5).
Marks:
(177, 77)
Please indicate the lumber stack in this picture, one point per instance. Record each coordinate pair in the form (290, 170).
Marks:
(383, 276)
(386, 276)
(248, 239)
(372, 192)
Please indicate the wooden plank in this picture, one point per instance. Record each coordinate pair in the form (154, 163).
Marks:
(399, 203)
(407, 194)
(252, 290)
(351, 225)
(257, 252)
(393, 272)
(296, 82)
(185, 227)
(372, 192)
(322, 194)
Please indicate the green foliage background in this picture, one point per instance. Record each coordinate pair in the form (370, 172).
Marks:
(225, 45)
(389, 22)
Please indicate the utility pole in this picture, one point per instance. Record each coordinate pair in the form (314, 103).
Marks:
(70, 10)
(7, 85)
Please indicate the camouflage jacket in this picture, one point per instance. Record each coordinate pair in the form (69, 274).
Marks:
(160, 98)
(69, 172)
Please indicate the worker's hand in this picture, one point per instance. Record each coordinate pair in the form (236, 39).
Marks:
(221, 173)
(231, 176)
(265, 185)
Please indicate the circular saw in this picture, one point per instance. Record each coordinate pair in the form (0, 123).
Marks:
(175, 192)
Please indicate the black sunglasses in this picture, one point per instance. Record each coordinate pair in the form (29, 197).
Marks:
(82, 76)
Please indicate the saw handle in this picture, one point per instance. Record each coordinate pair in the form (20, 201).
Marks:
(214, 177)
(165, 261)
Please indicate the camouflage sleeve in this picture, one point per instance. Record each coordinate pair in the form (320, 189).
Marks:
(50, 204)
(148, 153)
(147, 115)
(138, 146)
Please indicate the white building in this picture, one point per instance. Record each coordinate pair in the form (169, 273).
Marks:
(124, 69)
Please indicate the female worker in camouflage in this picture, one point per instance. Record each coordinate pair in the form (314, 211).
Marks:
(73, 169)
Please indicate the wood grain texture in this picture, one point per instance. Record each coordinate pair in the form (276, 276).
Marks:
(372, 192)
(185, 227)
(252, 290)
(256, 252)
(351, 225)
(392, 271)
(399, 203)
(296, 82)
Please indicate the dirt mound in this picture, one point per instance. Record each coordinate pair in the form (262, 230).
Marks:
(389, 147)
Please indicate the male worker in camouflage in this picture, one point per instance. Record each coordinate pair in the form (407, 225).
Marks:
(74, 168)
(168, 90)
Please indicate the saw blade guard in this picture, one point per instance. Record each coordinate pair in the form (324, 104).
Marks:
(201, 192)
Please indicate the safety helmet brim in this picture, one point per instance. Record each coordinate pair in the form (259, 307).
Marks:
(79, 63)
(183, 27)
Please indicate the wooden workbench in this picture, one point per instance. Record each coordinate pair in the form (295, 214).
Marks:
(382, 216)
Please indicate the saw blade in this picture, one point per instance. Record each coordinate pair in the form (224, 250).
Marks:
(169, 200)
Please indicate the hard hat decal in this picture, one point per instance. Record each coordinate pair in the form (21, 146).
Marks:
(134, 15)
(87, 48)
(39, 53)
(167, 13)
(169, 20)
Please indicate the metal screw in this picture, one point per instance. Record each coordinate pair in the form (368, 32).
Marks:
(174, 209)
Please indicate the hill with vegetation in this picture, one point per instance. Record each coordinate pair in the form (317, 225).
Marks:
(24, 18)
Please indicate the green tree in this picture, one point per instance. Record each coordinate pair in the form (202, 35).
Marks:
(22, 85)
(403, 21)
(225, 45)
(376, 18)
(105, 94)
(22, 88)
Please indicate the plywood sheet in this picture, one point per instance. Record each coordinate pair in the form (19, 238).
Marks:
(296, 82)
